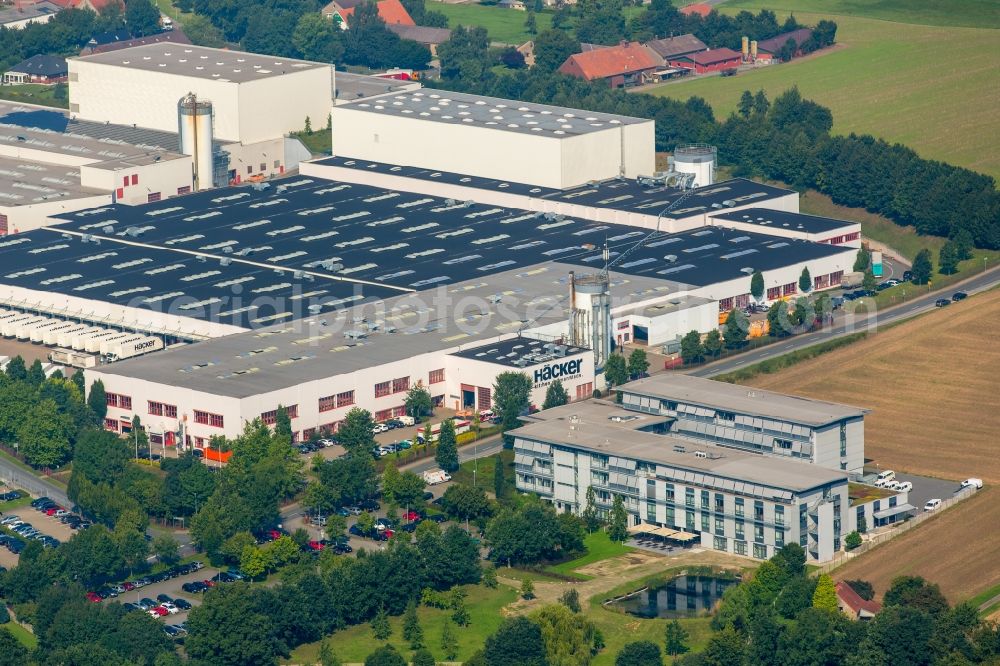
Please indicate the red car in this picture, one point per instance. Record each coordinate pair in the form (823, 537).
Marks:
(128, 586)
(159, 610)
(411, 516)
(388, 533)
(94, 597)
(209, 583)
(316, 545)
(52, 511)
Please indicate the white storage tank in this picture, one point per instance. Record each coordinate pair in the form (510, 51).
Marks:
(698, 159)
(194, 126)
(590, 314)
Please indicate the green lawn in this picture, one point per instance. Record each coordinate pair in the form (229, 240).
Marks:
(968, 13)
(355, 643)
(318, 143)
(15, 504)
(483, 468)
(599, 547)
(26, 638)
(33, 93)
(928, 87)
(504, 25)
(985, 596)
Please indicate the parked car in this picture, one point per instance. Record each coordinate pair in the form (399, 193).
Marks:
(131, 608)
(411, 516)
(146, 603)
(905, 486)
(907, 276)
(94, 597)
(369, 505)
(380, 427)
(171, 630)
(183, 604)
(163, 598)
(170, 607)
(158, 611)
(942, 302)
(356, 531)
(438, 518)
(959, 296)
(194, 587)
(327, 443)
(972, 483)
(932, 505)
(885, 476)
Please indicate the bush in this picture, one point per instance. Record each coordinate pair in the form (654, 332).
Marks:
(852, 540)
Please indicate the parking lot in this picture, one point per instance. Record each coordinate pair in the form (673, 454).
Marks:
(925, 488)
(47, 524)
(172, 588)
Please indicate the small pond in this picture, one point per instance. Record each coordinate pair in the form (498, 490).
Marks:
(683, 596)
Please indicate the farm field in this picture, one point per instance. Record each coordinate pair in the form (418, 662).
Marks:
(968, 13)
(886, 79)
(929, 383)
(504, 25)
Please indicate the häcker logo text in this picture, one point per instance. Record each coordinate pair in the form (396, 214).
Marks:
(558, 370)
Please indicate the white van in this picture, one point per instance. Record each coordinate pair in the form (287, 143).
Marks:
(884, 478)
(932, 505)
(905, 486)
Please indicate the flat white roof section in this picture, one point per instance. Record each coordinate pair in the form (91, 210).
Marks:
(202, 62)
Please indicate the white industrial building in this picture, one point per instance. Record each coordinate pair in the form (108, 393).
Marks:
(253, 100)
(252, 94)
(547, 146)
(17, 15)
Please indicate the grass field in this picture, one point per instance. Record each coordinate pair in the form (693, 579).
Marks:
(504, 25)
(355, 643)
(931, 88)
(969, 13)
(26, 638)
(599, 547)
(33, 93)
(929, 383)
(484, 469)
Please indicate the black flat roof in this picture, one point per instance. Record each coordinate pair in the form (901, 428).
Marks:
(615, 194)
(321, 241)
(519, 352)
(779, 219)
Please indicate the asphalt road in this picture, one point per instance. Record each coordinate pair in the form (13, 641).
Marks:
(843, 325)
(30, 482)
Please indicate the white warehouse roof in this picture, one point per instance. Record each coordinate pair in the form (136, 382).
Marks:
(456, 108)
(202, 62)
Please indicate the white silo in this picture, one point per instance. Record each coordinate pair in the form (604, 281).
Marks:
(590, 315)
(698, 159)
(194, 124)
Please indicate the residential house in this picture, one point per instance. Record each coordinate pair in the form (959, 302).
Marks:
(16, 17)
(513, 4)
(46, 69)
(422, 34)
(392, 12)
(852, 605)
(774, 45)
(528, 51)
(625, 65)
(713, 60)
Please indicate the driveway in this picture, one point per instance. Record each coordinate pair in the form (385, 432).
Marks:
(925, 488)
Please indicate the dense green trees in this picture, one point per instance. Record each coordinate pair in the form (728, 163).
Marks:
(638, 363)
(142, 18)
(466, 502)
(357, 432)
(555, 395)
(418, 402)
(316, 38)
(447, 447)
(691, 349)
(552, 47)
(518, 642)
(922, 269)
(618, 520)
(639, 653)
(511, 392)
(736, 329)
(533, 532)
(616, 370)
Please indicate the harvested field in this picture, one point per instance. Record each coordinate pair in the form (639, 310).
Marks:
(957, 550)
(931, 386)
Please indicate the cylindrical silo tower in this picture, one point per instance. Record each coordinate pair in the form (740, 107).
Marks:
(698, 159)
(590, 315)
(194, 120)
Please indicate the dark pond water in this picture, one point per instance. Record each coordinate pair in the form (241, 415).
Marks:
(684, 596)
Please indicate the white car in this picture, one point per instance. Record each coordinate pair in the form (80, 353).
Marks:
(932, 505)
(972, 483)
(327, 443)
(905, 486)
(892, 485)
(11, 521)
(380, 427)
(173, 610)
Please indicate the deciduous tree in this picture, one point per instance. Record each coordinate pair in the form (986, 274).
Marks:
(618, 522)
(447, 447)
(518, 642)
(922, 268)
(555, 395)
(757, 282)
(825, 596)
(638, 363)
(511, 393)
(615, 370)
(736, 328)
(639, 653)
(418, 403)
(691, 349)
(713, 343)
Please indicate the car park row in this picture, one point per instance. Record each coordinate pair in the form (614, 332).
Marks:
(20, 530)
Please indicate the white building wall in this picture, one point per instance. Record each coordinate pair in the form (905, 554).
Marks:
(34, 216)
(482, 151)
(248, 112)
(788, 232)
(165, 178)
(274, 106)
(702, 317)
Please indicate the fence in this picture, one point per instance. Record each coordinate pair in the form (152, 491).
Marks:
(874, 539)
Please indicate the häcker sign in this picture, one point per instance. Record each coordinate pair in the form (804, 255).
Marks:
(553, 371)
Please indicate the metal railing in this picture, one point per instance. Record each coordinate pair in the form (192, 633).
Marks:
(881, 535)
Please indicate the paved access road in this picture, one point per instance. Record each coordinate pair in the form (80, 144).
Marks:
(841, 327)
(35, 484)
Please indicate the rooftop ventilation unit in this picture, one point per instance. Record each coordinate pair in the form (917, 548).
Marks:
(298, 275)
(315, 309)
(679, 449)
(746, 270)
(389, 329)
(225, 261)
(108, 229)
(67, 236)
(521, 362)
(331, 265)
(496, 298)
(355, 334)
(86, 238)
(133, 232)
(450, 202)
(260, 187)
(245, 252)
(201, 258)
(228, 249)
(671, 258)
